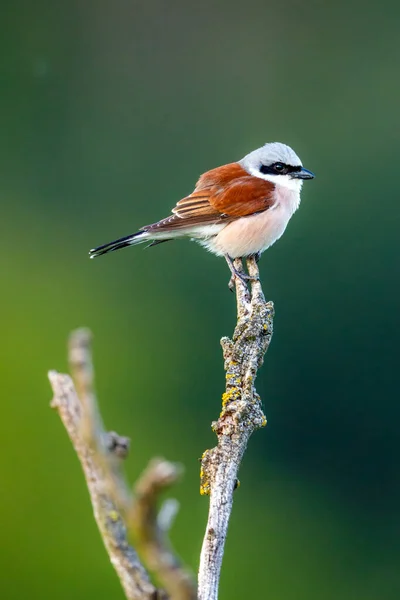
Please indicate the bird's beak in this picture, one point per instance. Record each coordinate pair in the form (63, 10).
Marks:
(302, 174)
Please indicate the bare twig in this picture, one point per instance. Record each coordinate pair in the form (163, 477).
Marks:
(134, 579)
(151, 531)
(166, 514)
(100, 454)
(241, 414)
(108, 447)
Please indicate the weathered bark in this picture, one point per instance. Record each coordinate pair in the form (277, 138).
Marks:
(117, 510)
(241, 414)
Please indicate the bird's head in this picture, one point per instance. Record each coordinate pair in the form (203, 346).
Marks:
(277, 163)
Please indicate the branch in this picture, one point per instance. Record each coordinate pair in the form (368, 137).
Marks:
(133, 577)
(241, 414)
(151, 531)
(100, 455)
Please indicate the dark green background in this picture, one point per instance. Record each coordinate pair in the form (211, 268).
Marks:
(109, 111)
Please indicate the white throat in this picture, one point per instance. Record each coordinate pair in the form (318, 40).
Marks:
(284, 180)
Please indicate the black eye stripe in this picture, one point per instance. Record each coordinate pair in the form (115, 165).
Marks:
(272, 170)
(267, 170)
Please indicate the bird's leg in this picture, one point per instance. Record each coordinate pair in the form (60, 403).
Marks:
(257, 257)
(244, 277)
(235, 273)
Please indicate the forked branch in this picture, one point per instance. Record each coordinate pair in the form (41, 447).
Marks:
(100, 455)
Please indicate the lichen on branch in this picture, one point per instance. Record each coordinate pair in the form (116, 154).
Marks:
(240, 416)
(118, 510)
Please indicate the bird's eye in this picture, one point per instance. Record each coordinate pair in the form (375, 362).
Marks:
(279, 167)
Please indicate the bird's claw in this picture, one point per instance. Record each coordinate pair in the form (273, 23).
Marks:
(240, 275)
(243, 277)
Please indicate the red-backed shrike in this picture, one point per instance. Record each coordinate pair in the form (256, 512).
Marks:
(236, 210)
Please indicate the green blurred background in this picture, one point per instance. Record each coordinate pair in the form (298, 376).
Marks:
(109, 111)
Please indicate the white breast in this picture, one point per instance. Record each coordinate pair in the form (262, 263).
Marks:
(249, 235)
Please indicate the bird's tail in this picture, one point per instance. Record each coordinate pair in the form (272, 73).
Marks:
(124, 242)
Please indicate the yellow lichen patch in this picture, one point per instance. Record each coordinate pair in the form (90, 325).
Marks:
(205, 489)
(264, 421)
(226, 397)
(233, 393)
(113, 515)
(204, 481)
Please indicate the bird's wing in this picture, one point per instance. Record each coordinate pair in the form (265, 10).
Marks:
(243, 197)
(221, 195)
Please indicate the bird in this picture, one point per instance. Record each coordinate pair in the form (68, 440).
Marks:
(236, 210)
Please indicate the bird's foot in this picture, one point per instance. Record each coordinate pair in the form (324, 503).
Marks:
(243, 277)
(236, 274)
